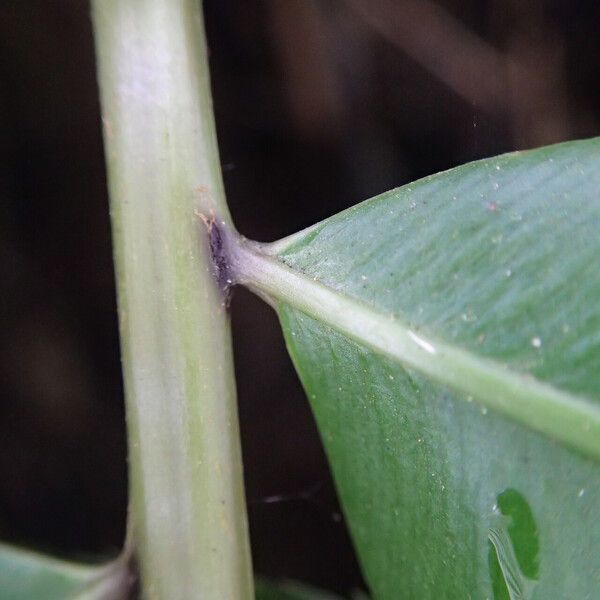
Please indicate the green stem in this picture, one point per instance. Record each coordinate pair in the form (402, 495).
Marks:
(187, 511)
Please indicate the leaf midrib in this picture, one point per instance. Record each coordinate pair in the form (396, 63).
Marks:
(568, 418)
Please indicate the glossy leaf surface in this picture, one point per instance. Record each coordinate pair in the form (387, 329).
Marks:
(456, 484)
(26, 575)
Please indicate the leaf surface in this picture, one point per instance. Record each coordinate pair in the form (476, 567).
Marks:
(289, 590)
(448, 336)
(26, 575)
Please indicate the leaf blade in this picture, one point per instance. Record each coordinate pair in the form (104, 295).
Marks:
(571, 419)
(26, 575)
(289, 590)
(493, 261)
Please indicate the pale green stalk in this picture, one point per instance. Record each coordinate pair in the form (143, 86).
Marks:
(188, 518)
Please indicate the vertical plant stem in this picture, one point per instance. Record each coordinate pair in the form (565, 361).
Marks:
(187, 511)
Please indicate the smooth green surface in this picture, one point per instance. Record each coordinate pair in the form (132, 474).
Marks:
(289, 590)
(448, 336)
(26, 575)
(188, 516)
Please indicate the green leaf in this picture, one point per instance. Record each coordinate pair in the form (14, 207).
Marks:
(289, 590)
(26, 575)
(448, 337)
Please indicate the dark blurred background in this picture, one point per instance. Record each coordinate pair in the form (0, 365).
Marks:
(319, 104)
